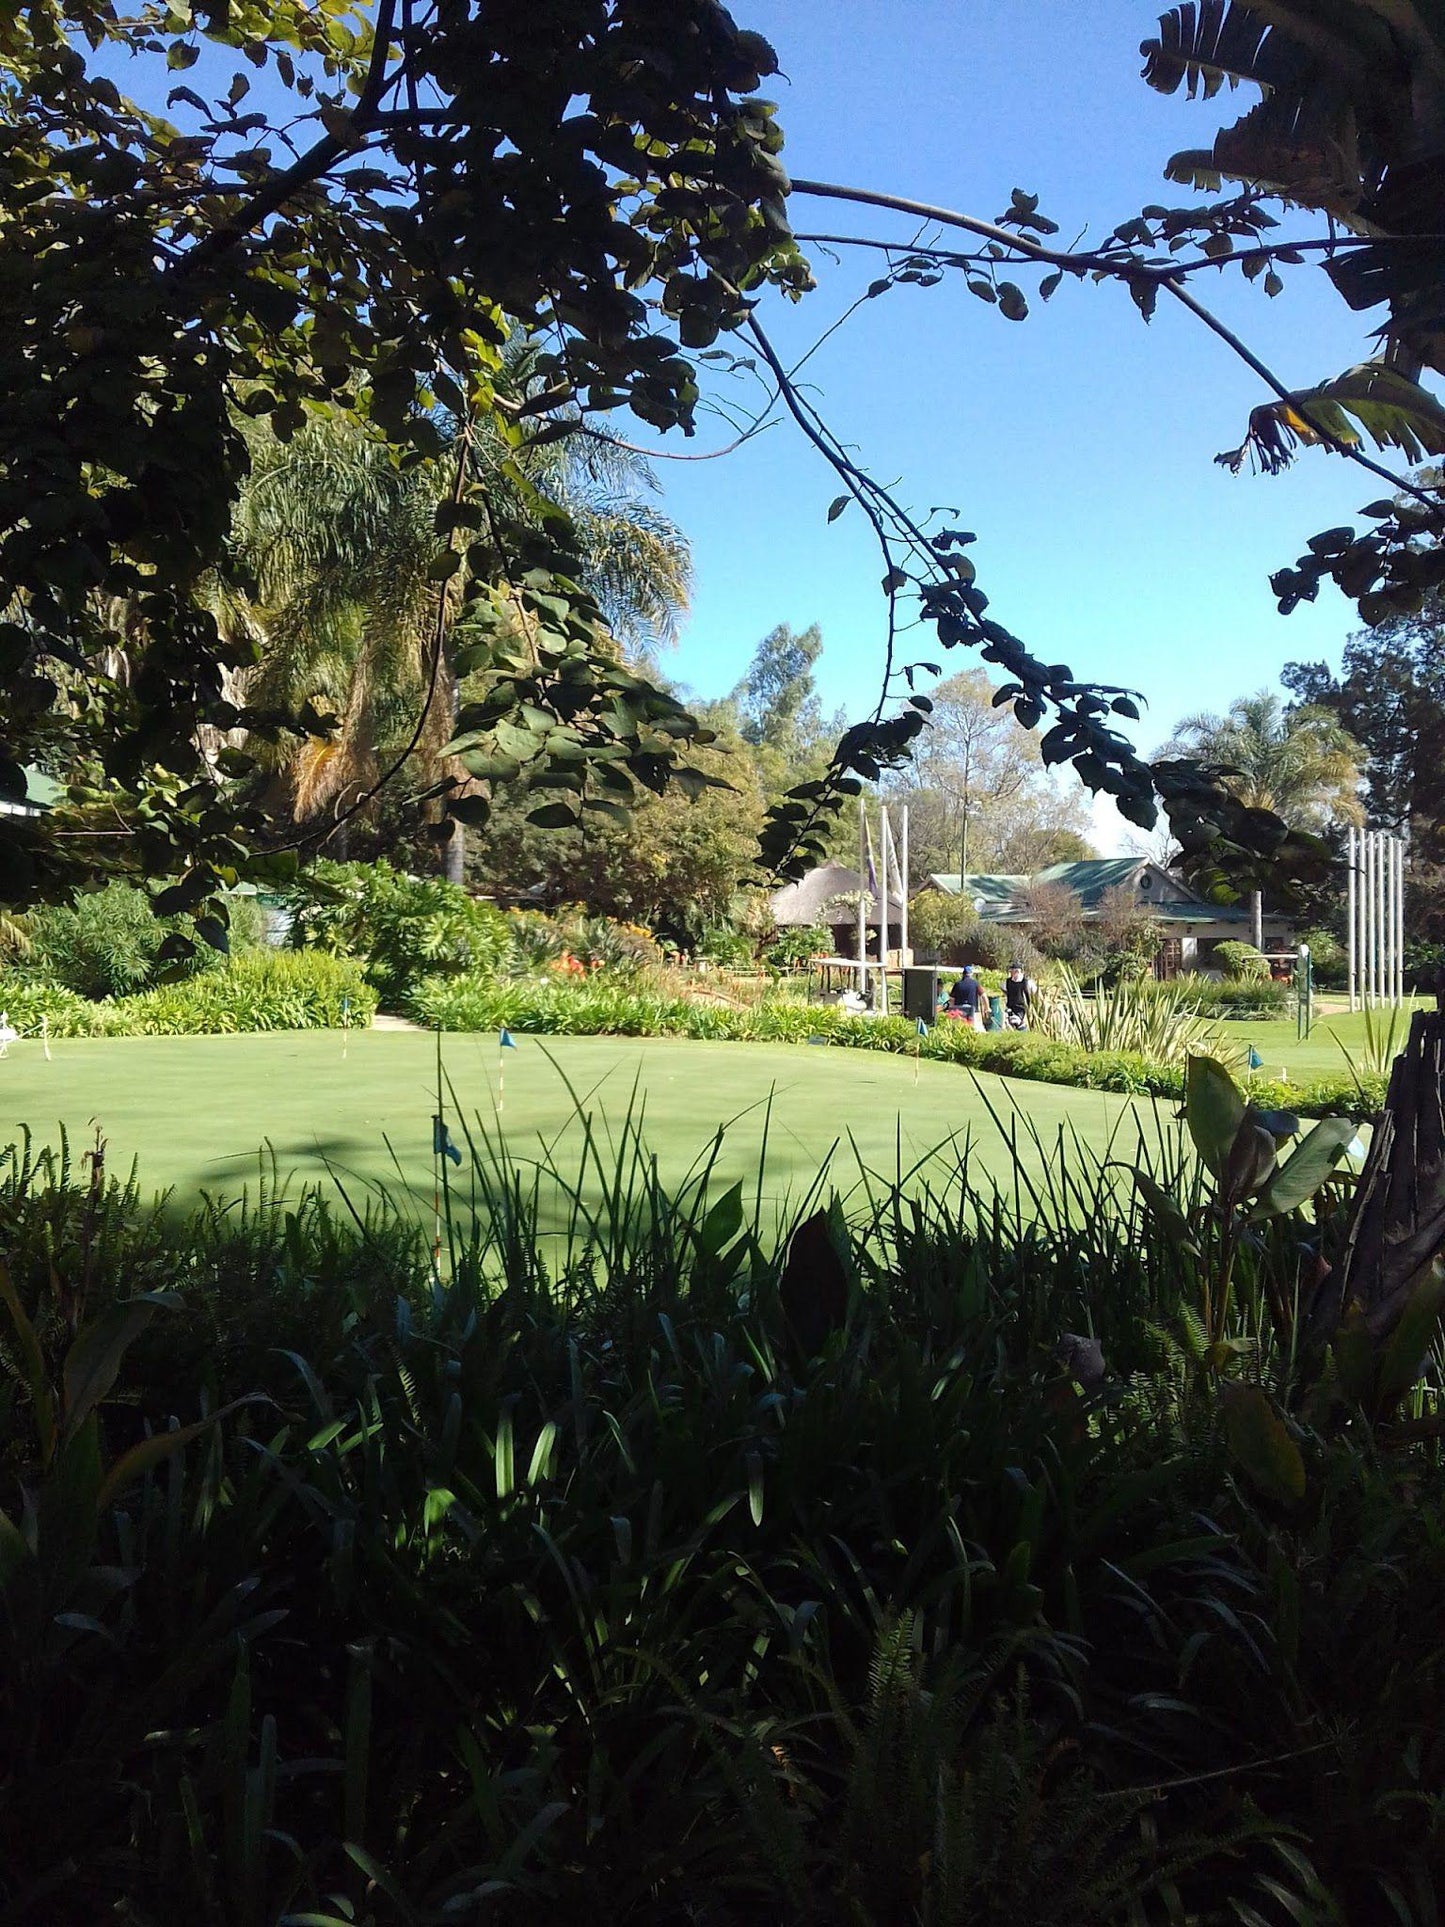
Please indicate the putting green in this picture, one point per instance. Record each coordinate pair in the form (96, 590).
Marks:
(195, 1111)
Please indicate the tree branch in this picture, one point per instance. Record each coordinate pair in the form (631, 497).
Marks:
(322, 155)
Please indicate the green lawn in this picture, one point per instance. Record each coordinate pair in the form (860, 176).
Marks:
(1321, 1055)
(196, 1110)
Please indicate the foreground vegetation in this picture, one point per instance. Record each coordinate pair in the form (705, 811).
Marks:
(965, 1561)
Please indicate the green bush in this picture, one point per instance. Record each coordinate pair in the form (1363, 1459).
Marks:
(106, 943)
(258, 990)
(597, 1008)
(1241, 960)
(723, 945)
(1329, 961)
(398, 927)
(799, 946)
(1228, 996)
(403, 1602)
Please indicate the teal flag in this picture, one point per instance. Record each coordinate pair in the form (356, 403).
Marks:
(1255, 1060)
(922, 1028)
(441, 1142)
(508, 1042)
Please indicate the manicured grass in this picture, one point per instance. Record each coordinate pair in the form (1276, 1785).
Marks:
(1321, 1054)
(195, 1111)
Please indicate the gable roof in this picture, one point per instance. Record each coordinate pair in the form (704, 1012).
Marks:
(996, 891)
(1091, 878)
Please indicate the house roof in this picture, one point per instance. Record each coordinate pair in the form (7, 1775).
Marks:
(996, 891)
(1088, 879)
(810, 899)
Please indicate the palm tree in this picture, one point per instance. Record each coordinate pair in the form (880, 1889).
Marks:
(1299, 763)
(338, 542)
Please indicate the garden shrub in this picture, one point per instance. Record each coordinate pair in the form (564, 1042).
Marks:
(791, 948)
(1241, 960)
(106, 943)
(1329, 960)
(600, 1008)
(258, 990)
(1228, 996)
(722, 944)
(440, 1588)
(398, 927)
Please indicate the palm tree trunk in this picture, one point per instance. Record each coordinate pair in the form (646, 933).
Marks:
(454, 854)
(1256, 914)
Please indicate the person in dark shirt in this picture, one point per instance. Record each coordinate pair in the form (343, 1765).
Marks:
(1016, 998)
(964, 997)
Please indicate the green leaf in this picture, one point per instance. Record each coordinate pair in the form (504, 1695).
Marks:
(1165, 1212)
(1260, 1444)
(1011, 303)
(722, 1223)
(32, 1363)
(1307, 1167)
(553, 816)
(837, 506)
(1413, 1334)
(95, 1359)
(1213, 1110)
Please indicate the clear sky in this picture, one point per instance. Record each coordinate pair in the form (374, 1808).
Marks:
(1079, 443)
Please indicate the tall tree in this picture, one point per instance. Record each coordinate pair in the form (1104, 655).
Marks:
(1301, 764)
(980, 798)
(1390, 697)
(341, 544)
(777, 700)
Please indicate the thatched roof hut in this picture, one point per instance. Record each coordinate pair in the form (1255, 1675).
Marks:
(828, 896)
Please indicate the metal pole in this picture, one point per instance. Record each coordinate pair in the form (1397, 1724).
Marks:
(862, 899)
(883, 909)
(1399, 920)
(1368, 920)
(903, 892)
(1388, 851)
(1352, 911)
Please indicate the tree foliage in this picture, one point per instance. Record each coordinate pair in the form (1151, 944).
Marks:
(441, 176)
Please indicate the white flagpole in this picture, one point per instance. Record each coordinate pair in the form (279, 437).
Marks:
(862, 898)
(1368, 920)
(903, 892)
(882, 910)
(1352, 915)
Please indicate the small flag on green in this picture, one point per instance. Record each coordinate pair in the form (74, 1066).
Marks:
(1255, 1060)
(441, 1142)
(508, 1042)
(922, 1028)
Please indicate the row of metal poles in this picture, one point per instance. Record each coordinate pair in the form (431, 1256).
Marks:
(1375, 911)
(892, 859)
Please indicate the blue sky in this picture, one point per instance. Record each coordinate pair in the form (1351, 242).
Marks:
(1079, 444)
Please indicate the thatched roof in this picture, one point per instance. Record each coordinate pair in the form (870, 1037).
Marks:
(811, 900)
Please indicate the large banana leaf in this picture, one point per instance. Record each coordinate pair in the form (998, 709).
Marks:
(1394, 411)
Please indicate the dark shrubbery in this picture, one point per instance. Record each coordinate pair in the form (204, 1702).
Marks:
(635, 1576)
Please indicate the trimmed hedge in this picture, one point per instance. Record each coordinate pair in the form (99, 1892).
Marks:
(583, 1010)
(260, 990)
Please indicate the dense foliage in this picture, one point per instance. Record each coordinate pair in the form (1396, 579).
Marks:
(603, 1008)
(258, 990)
(636, 1574)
